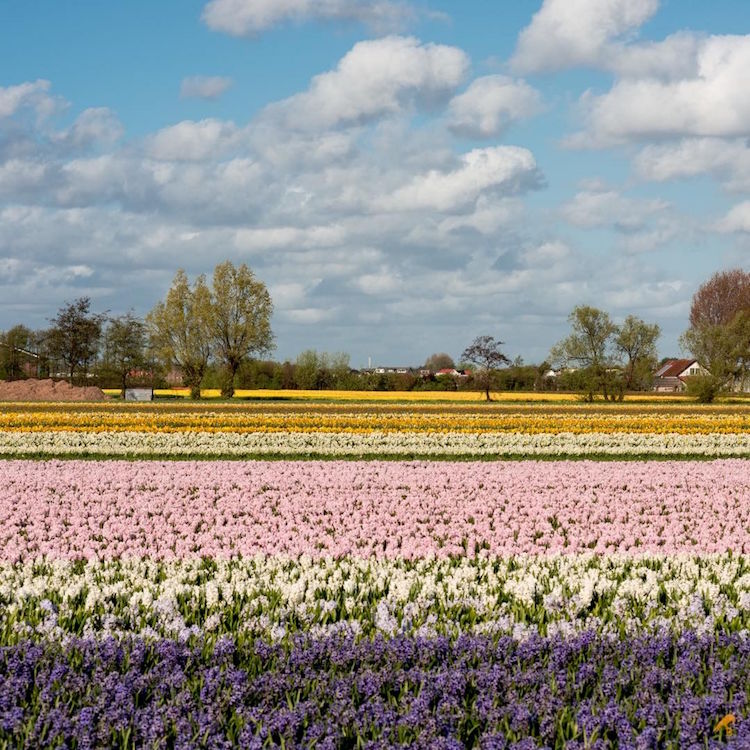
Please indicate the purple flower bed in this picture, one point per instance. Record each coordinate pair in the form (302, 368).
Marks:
(584, 691)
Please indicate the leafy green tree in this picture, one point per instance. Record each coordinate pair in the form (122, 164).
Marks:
(340, 370)
(240, 319)
(485, 355)
(315, 370)
(439, 361)
(724, 352)
(13, 343)
(306, 370)
(75, 335)
(589, 347)
(180, 329)
(125, 346)
(636, 343)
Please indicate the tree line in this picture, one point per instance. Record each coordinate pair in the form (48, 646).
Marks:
(217, 333)
(224, 323)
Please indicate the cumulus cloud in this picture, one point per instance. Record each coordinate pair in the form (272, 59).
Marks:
(715, 101)
(375, 78)
(737, 219)
(289, 238)
(728, 160)
(490, 105)
(686, 87)
(32, 95)
(204, 87)
(97, 126)
(569, 33)
(643, 225)
(192, 141)
(248, 17)
(503, 168)
(309, 316)
(601, 208)
(339, 218)
(673, 58)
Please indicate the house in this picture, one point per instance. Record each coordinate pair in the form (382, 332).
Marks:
(390, 370)
(671, 376)
(453, 373)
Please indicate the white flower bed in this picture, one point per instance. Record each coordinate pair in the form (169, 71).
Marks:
(372, 443)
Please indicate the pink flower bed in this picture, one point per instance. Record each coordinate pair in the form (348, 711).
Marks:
(169, 510)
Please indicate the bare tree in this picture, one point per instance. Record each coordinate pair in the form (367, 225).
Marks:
(719, 333)
(75, 334)
(484, 353)
(125, 344)
(719, 299)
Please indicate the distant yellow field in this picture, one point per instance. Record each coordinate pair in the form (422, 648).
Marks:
(455, 396)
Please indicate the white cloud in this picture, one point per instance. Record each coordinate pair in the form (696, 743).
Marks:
(31, 94)
(248, 17)
(643, 224)
(375, 78)
(490, 104)
(547, 254)
(489, 215)
(726, 159)
(192, 141)
(651, 238)
(591, 209)
(290, 238)
(310, 315)
(737, 219)
(714, 100)
(291, 295)
(338, 223)
(384, 282)
(500, 168)
(204, 87)
(95, 126)
(19, 177)
(569, 33)
(672, 58)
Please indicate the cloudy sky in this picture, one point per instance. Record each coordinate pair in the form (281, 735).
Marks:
(404, 176)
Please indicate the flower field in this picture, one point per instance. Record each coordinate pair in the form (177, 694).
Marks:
(382, 431)
(264, 592)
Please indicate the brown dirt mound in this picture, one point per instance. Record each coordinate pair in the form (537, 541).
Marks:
(48, 390)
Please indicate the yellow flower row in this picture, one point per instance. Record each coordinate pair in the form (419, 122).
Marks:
(413, 396)
(362, 421)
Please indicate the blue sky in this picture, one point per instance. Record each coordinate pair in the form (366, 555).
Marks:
(404, 176)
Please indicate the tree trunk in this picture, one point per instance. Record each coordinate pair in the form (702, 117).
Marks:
(123, 384)
(192, 376)
(227, 386)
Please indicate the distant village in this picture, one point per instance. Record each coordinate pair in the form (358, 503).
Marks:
(670, 377)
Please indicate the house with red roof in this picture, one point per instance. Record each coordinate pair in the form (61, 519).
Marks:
(671, 376)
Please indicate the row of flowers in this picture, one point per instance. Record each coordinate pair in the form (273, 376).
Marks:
(413, 396)
(273, 598)
(376, 420)
(586, 691)
(370, 444)
(172, 509)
